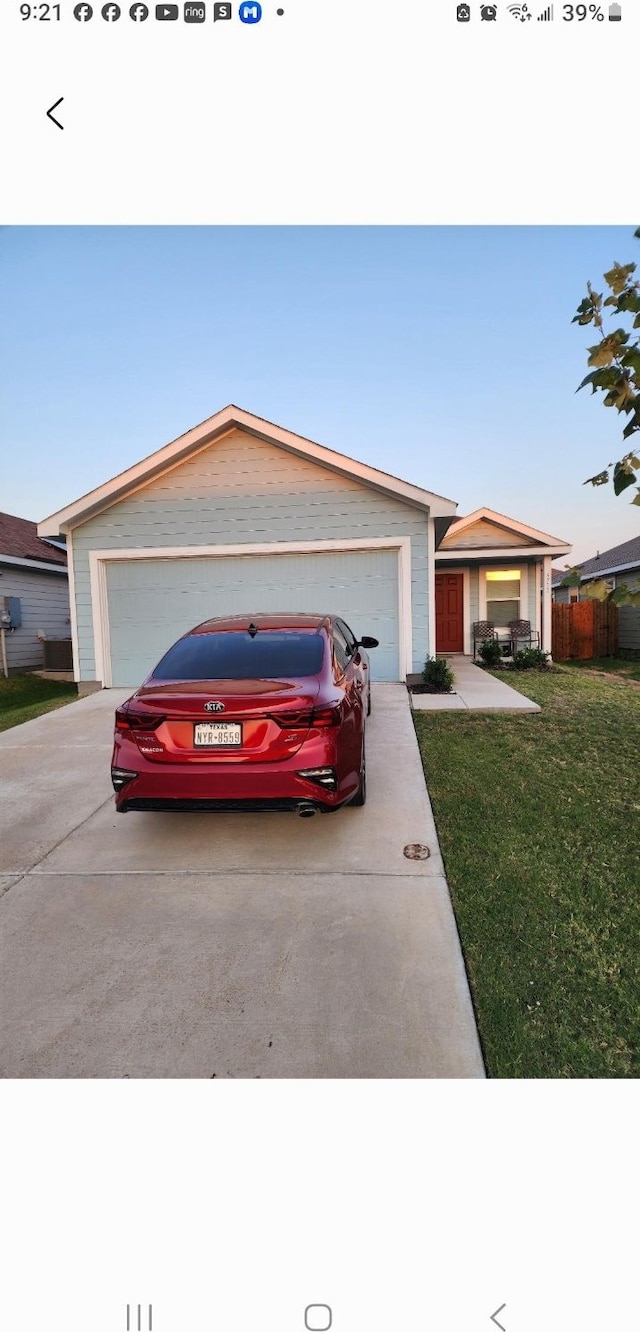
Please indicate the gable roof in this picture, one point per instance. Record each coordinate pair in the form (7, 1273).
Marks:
(203, 435)
(19, 540)
(530, 537)
(624, 556)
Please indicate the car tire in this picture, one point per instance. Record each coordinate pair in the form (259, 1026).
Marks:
(360, 796)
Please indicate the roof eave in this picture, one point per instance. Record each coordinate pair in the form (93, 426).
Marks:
(610, 569)
(477, 553)
(41, 566)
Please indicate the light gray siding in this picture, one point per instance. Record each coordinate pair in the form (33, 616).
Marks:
(629, 629)
(561, 596)
(151, 602)
(239, 491)
(44, 607)
(483, 534)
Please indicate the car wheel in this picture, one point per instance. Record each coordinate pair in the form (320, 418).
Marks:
(361, 794)
(369, 702)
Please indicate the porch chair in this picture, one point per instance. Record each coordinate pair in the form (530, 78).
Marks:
(523, 635)
(482, 630)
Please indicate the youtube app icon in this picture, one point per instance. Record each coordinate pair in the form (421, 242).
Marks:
(166, 12)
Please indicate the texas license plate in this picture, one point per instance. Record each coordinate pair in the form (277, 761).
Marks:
(218, 735)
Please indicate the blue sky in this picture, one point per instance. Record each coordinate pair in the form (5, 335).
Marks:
(444, 355)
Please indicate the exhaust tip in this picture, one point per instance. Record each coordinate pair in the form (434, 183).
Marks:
(305, 810)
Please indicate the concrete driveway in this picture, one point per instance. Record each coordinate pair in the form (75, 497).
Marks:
(197, 945)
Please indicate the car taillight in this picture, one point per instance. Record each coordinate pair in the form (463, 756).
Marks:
(330, 716)
(129, 720)
(292, 720)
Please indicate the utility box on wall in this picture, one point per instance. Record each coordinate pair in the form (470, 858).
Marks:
(10, 616)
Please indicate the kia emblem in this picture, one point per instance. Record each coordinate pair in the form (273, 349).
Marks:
(214, 707)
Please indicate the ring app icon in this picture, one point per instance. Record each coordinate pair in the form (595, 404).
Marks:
(250, 11)
(221, 11)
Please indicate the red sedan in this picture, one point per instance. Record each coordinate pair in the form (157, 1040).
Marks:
(262, 713)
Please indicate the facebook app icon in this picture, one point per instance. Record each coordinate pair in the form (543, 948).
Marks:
(250, 11)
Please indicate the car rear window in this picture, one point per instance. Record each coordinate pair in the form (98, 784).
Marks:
(237, 656)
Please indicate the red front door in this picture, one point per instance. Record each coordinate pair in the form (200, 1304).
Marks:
(449, 616)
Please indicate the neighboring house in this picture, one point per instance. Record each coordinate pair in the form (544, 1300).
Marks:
(34, 571)
(240, 516)
(619, 565)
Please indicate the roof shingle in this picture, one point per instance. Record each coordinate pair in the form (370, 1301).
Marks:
(19, 539)
(626, 553)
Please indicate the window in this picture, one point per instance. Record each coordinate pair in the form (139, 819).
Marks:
(348, 636)
(341, 649)
(236, 656)
(503, 596)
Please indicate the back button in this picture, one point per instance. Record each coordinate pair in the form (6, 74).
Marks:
(52, 109)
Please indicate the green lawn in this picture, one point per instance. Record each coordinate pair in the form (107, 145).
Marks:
(627, 670)
(25, 696)
(538, 817)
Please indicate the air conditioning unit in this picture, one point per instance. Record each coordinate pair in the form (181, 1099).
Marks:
(58, 655)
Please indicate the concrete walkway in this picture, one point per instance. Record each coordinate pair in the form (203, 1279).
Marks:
(223, 945)
(474, 691)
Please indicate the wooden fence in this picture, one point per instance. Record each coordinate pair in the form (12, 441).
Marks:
(583, 630)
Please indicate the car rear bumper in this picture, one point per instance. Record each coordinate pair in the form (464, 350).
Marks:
(199, 805)
(224, 787)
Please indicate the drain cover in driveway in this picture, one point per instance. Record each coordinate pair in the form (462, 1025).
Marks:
(416, 851)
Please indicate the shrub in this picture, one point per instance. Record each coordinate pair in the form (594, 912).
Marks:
(438, 676)
(491, 652)
(530, 659)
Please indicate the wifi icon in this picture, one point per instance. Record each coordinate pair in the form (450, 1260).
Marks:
(519, 12)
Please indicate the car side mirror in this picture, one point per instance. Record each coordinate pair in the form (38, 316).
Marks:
(368, 642)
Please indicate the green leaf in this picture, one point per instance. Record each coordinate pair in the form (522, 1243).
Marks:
(631, 358)
(636, 499)
(572, 579)
(622, 477)
(633, 425)
(600, 479)
(629, 301)
(617, 276)
(600, 379)
(597, 591)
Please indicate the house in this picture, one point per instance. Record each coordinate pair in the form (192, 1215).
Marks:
(491, 567)
(620, 565)
(33, 574)
(239, 515)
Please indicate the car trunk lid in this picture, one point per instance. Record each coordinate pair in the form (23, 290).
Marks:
(224, 721)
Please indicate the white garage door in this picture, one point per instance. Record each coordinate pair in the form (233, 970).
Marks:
(151, 602)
